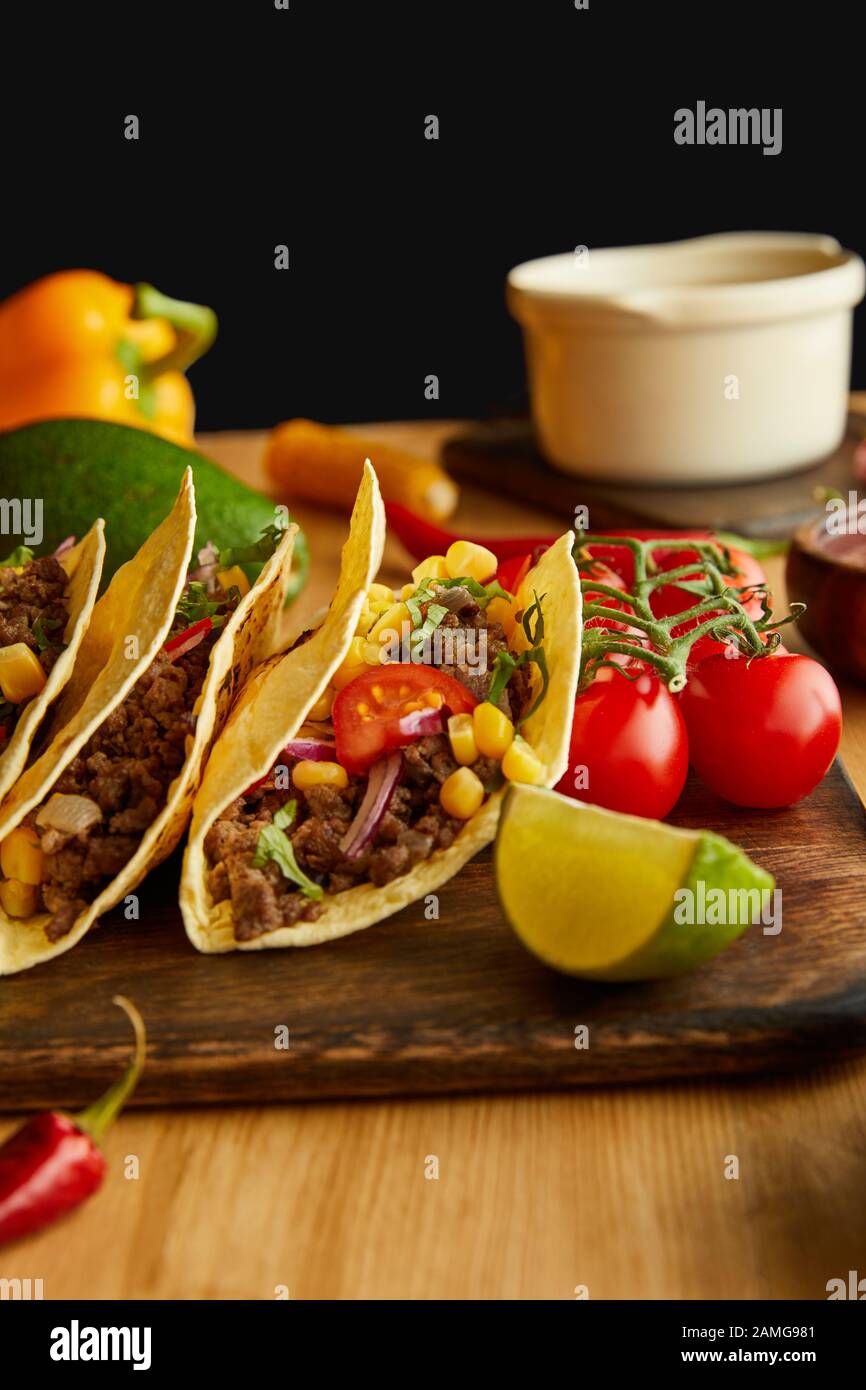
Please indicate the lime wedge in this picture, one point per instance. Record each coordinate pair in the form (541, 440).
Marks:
(612, 897)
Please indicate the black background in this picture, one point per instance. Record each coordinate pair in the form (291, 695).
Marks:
(306, 127)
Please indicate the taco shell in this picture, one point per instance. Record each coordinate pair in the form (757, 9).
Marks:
(83, 564)
(276, 703)
(141, 602)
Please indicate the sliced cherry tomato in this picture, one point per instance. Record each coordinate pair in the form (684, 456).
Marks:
(629, 748)
(512, 572)
(372, 714)
(762, 732)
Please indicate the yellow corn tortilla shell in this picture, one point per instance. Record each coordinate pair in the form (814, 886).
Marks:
(280, 699)
(144, 595)
(83, 565)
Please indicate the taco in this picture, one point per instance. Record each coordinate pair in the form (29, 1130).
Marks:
(361, 769)
(156, 674)
(45, 607)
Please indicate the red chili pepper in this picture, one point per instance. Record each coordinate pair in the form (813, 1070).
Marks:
(53, 1163)
(511, 573)
(421, 538)
(189, 638)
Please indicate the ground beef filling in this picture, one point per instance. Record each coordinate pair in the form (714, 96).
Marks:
(411, 829)
(33, 611)
(126, 767)
(472, 635)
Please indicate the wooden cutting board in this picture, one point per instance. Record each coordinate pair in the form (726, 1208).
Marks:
(503, 457)
(415, 1006)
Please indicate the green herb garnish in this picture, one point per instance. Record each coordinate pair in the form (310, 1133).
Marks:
(504, 664)
(274, 845)
(484, 592)
(262, 549)
(41, 628)
(195, 603)
(21, 555)
(426, 591)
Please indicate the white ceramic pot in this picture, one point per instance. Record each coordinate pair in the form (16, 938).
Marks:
(721, 359)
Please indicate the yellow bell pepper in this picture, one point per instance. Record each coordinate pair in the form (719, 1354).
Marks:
(77, 343)
(21, 675)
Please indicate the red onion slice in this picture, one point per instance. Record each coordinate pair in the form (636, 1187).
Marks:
(63, 548)
(316, 750)
(384, 776)
(208, 564)
(421, 722)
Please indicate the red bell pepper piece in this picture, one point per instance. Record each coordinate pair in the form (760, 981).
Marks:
(189, 638)
(54, 1163)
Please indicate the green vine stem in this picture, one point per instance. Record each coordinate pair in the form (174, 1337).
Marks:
(718, 611)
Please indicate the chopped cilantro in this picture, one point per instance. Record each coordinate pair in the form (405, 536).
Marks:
(21, 555)
(195, 604)
(262, 549)
(274, 844)
(41, 628)
(505, 664)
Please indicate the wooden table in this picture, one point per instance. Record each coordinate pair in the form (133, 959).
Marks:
(619, 1190)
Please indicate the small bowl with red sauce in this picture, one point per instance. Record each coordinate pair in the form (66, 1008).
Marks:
(826, 571)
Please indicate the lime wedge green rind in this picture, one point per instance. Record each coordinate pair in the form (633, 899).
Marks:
(678, 947)
(594, 894)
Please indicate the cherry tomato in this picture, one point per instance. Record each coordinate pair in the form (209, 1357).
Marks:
(705, 647)
(603, 575)
(669, 600)
(629, 748)
(371, 714)
(619, 557)
(762, 732)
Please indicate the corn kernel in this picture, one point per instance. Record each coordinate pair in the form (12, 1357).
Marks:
(18, 899)
(494, 731)
(434, 567)
(407, 591)
(233, 578)
(466, 559)
(21, 855)
(461, 734)
(365, 622)
(322, 708)
(379, 593)
(391, 621)
(21, 675)
(461, 794)
(504, 611)
(311, 774)
(354, 663)
(522, 764)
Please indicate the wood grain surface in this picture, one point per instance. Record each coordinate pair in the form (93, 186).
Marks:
(621, 1190)
(413, 1006)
